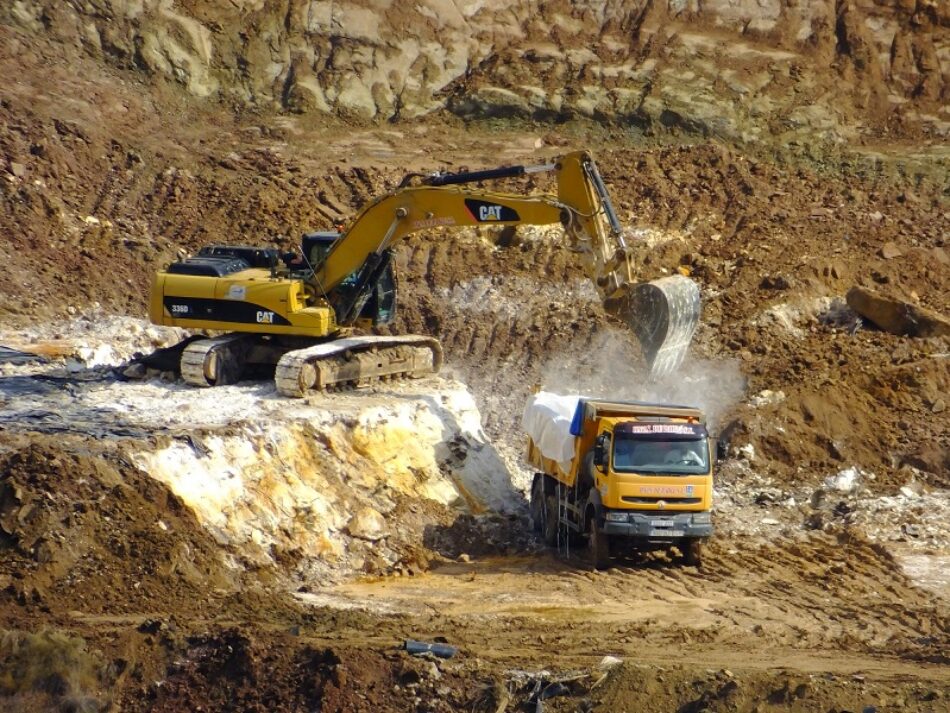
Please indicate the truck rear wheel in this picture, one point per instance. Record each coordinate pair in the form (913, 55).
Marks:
(550, 519)
(536, 505)
(693, 553)
(599, 544)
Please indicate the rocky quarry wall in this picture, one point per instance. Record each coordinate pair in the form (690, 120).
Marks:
(336, 486)
(742, 69)
(346, 482)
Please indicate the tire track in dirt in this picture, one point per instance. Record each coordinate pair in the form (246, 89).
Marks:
(756, 597)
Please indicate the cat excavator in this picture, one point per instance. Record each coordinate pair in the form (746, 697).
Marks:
(297, 313)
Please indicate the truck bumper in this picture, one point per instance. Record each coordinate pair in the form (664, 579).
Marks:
(656, 527)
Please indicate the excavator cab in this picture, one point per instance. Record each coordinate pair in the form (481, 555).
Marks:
(378, 297)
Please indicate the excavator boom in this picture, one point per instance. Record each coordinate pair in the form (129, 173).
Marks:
(663, 313)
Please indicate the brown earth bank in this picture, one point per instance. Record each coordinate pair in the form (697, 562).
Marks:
(114, 597)
(736, 70)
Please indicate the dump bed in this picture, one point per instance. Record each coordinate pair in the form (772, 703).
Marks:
(589, 411)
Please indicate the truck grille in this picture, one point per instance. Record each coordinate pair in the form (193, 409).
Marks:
(668, 501)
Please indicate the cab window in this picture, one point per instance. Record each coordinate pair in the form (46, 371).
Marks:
(633, 455)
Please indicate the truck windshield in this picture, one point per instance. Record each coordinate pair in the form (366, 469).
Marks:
(677, 456)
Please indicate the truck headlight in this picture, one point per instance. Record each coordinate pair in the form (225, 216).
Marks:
(616, 517)
(702, 518)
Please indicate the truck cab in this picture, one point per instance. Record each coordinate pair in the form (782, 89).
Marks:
(653, 480)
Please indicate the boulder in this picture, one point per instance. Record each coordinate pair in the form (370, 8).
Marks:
(367, 524)
(897, 316)
(889, 251)
(491, 101)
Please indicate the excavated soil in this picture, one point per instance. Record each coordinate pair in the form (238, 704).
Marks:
(159, 617)
(81, 532)
(114, 597)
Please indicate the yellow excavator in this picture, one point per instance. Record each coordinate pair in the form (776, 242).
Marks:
(297, 312)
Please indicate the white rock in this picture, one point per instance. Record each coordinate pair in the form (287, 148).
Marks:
(845, 481)
(98, 355)
(766, 397)
(367, 524)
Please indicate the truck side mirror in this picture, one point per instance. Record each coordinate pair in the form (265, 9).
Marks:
(600, 450)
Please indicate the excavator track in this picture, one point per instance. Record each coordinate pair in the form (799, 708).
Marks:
(214, 362)
(356, 361)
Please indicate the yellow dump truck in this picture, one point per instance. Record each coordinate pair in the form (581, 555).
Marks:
(627, 475)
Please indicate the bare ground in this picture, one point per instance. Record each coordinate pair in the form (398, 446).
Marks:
(106, 179)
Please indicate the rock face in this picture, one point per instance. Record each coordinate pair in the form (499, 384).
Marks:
(897, 316)
(337, 483)
(736, 68)
(322, 478)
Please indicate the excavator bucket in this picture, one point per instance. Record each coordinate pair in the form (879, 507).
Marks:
(663, 314)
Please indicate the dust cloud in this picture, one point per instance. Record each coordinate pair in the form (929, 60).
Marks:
(611, 366)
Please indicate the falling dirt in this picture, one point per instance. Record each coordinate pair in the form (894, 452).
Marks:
(809, 160)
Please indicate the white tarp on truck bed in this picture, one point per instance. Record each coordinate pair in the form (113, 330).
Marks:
(547, 420)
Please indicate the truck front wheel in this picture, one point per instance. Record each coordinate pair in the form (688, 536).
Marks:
(599, 544)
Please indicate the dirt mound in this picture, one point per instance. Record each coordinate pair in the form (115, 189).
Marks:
(232, 669)
(624, 687)
(96, 534)
(850, 571)
(633, 688)
(222, 669)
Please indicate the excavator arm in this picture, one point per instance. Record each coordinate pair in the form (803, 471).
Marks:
(663, 314)
(581, 206)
